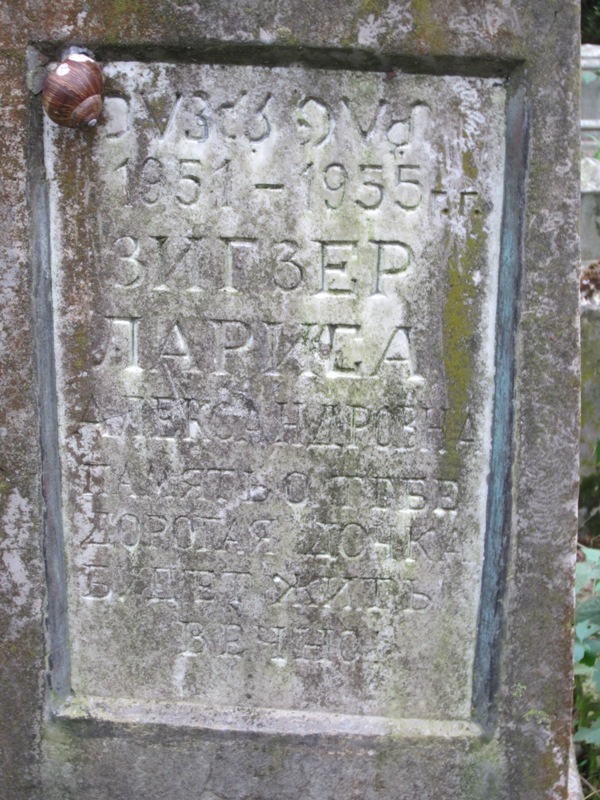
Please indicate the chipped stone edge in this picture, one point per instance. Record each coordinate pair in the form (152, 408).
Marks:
(574, 781)
(264, 720)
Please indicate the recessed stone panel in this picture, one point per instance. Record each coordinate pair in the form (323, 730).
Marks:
(274, 321)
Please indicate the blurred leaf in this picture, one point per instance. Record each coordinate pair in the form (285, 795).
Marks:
(588, 735)
(586, 654)
(585, 573)
(596, 678)
(592, 556)
(589, 610)
(589, 659)
(592, 646)
(585, 629)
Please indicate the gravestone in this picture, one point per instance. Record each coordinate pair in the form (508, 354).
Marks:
(304, 331)
(590, 98)
(590, 167)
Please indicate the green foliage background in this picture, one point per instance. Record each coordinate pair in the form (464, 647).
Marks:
(590, 21)
(586, 717)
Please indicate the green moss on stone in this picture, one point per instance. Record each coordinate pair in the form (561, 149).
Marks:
(4, 486)
(128, 7)
(371, 7)
(81, 348)
(128, 15)
(469, 167)
(428, 28)
(285, 35)
(484, 773)
(459, 331)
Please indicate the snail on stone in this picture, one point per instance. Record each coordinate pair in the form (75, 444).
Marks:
(72, 94)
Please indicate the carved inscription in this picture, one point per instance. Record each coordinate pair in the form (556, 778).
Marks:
(275, 370)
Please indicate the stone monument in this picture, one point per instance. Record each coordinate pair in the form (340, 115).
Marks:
(291, 404)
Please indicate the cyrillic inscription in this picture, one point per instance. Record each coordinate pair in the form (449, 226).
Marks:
(274, 321)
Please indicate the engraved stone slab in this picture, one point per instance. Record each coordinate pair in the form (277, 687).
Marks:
(274, 324)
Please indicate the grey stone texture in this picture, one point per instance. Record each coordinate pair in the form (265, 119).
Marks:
(288, 454)
(274, 455)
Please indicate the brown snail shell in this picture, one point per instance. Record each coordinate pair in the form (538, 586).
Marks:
(72, 94)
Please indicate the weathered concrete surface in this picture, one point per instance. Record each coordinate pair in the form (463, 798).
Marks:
(127, 742)
(21, 570)
(275, 401)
